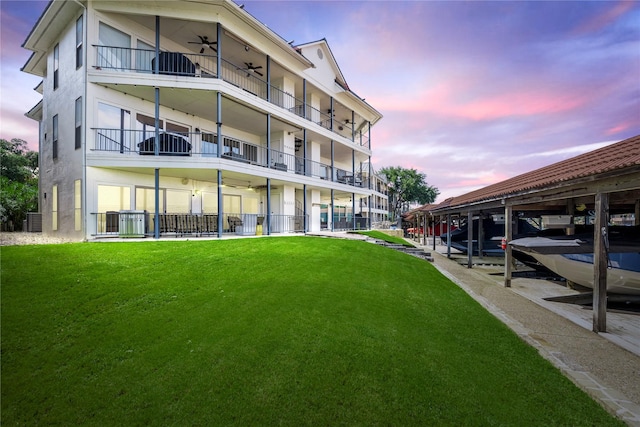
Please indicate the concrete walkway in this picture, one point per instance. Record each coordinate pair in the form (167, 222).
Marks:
(606, 366)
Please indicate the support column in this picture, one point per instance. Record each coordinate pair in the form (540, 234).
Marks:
(470, 239)
(449, 236)
(219, 140)
(220, 207)
(425, 228)
(268, 216)
(219, 54)
(268, 140)
(305, 225)
(353, 211)
(434, 230)
(508, 235)
(600, 247)
(480, 234)
(332, 201)
(156, 215)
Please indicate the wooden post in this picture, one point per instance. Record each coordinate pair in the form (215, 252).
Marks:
(480, 235)
(571, 210)
(449, 236)
(508, 234)
(470, 239)
(600, 239)
(425, 229)
(434, 231)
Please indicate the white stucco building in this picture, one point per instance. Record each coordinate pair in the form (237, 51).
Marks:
(166, 118)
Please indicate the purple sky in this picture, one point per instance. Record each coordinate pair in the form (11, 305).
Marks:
(472, 93)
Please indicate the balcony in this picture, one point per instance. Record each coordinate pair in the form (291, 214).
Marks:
(245, 76)
(187, 145)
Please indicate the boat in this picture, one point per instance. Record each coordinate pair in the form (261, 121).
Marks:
(493, 232)
(572, 258)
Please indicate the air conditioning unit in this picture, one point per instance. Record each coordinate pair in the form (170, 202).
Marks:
(34, 222)
(132, 223)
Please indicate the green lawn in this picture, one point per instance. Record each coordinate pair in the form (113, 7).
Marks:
(385, 237)
(291, 331)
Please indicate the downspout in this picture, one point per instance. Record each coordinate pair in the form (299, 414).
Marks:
(220, 142)
(219, 138)
(266, 228)
(83, 188)
(156, 148)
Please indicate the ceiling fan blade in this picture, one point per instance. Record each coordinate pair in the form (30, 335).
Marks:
(258, 67)
(258, 73)
(201, 50)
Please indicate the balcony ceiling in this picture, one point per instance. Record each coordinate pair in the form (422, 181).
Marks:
(203, 103)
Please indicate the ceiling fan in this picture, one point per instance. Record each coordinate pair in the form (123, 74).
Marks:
(252, 69)
(205, 42)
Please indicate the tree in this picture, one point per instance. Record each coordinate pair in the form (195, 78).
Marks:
(407, 186)
(18, 182)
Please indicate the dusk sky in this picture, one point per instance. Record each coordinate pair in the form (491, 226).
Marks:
(472, 93)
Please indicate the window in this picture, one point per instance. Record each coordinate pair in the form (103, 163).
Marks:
(231, 204)
(182, 130)
(146, 199)
(113, 123)
(54, 208)
(111, 199)
(145, 54)
(78, 123)
(77, 200)
(56, 64)
(54, 148)
(209, 202)
(250, 205)
(114, 51)
(79, 52)
(178, 201)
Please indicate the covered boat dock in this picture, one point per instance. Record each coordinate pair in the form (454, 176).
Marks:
(593, 187)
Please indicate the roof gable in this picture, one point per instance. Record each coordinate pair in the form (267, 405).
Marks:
(326, 69)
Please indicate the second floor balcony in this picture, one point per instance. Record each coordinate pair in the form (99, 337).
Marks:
(185, 145)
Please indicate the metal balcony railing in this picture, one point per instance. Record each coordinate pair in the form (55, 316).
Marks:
(245, 77)
(202, 144)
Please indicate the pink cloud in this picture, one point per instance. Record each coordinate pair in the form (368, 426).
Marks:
(601, 21)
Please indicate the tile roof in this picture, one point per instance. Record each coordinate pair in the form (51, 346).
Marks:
(621, 155)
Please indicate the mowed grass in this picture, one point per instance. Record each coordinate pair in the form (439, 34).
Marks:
(375, 234)
(290, 331)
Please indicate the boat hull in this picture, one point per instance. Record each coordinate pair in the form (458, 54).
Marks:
(567, 260)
